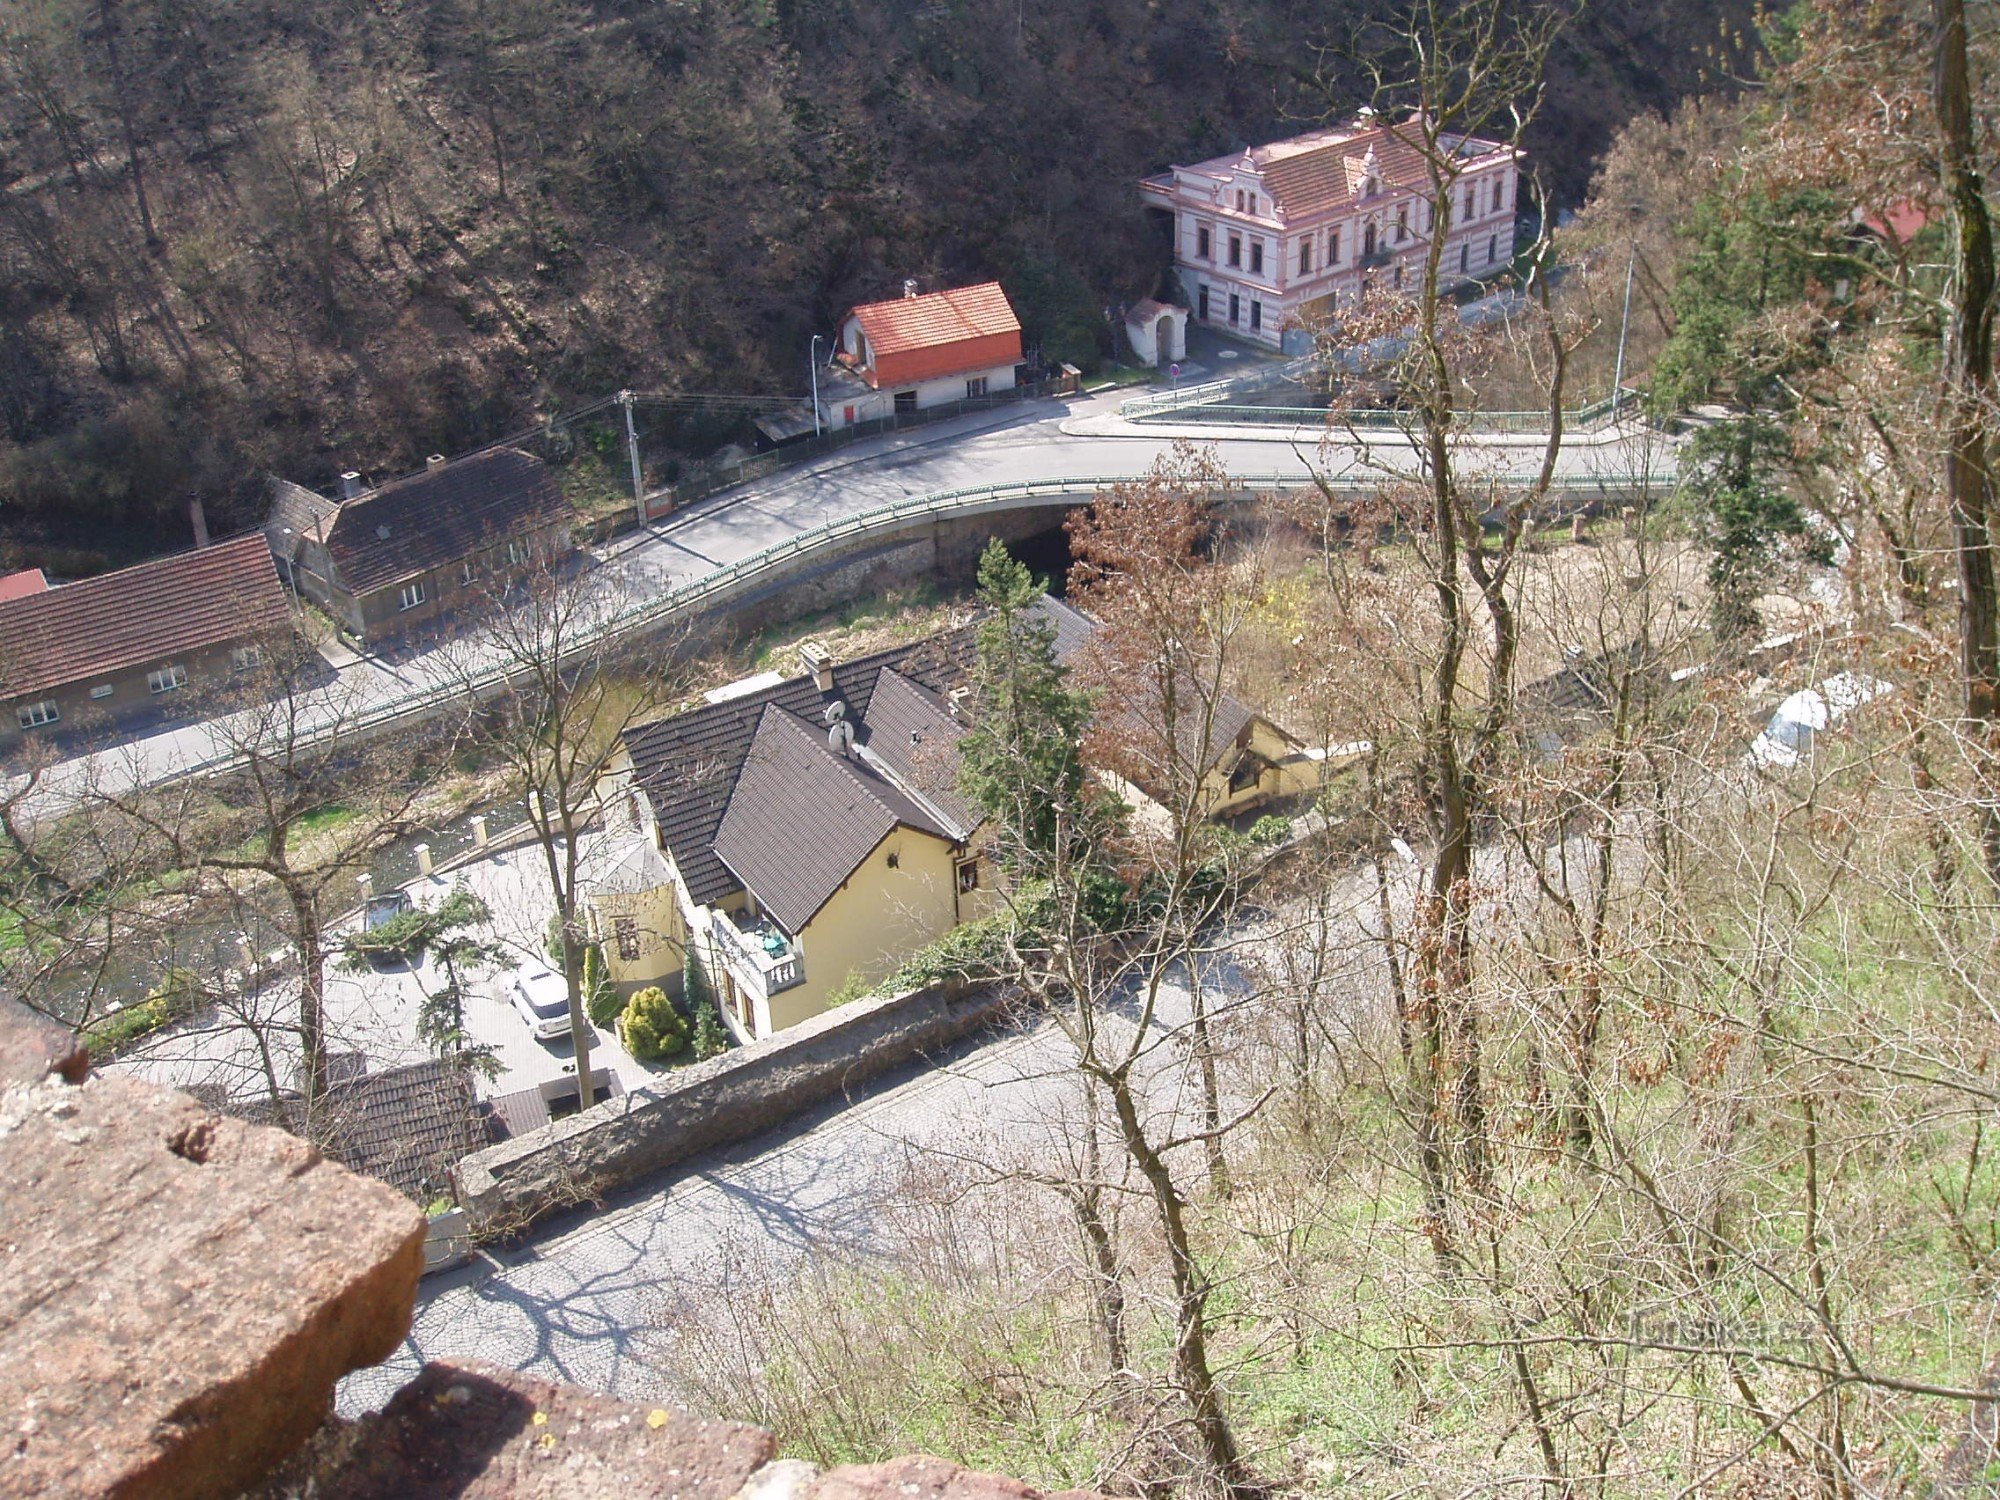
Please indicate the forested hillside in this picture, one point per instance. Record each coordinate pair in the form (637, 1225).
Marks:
(247, 236)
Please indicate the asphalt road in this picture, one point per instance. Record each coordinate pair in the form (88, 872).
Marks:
(1044, 440)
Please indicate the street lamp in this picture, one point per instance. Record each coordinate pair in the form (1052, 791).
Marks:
(813, 360)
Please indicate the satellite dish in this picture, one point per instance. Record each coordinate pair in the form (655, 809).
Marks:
(836, 711)
(841, 736)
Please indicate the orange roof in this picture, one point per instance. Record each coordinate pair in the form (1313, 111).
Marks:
(937, 318)
(137, 616)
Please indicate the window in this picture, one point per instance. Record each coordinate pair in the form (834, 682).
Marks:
(975, 388)
(1305, 257)
(1466, 211)
(1233, 305)
(1201, 245)
(968, 876)
(1367, 242)
(1203, 314)
(625, 933)
(1402, 222)
(1492, 248)
(906, 402)
(411, 595)
(1236, 249)
(1464, 258)
(1500, 193)
(516, 554)
(1256, 313)
(34, 715)
(1333, 248)
(102, 691)
(166, 679)
(1239, 200)
(1256, 257)
(243, 658)
(468, 572)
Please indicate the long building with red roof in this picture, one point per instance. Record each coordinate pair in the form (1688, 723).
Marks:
(104, 648)
(1274, 238)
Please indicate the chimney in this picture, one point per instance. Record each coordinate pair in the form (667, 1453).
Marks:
(434, 463)
(910, 287)
(200, 519)
(350, 485)
(955, 701)
(819, 661)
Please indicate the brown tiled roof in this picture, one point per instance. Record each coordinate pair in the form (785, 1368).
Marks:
(140, 616)
(406, 1126)
(803, 818)
(441, 516)
(935, 318)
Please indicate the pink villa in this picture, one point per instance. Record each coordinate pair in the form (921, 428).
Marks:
(1276, 237)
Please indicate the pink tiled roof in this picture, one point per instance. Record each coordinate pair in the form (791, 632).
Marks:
(1311, 174)
(20, 585)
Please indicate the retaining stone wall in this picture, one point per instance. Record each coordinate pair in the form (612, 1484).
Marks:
(743, 1092)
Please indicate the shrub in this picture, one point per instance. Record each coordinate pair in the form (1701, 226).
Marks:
(600, 1000)
(651, 1028)
(1270, 829)
(711, 1037)
(176, 995)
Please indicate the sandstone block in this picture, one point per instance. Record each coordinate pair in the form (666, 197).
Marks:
(179, 1291)
(32, 1047)
(474, 1433)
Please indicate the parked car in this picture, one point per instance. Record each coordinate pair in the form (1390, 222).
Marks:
(1788, 738)
(540, 997)
(379, 913)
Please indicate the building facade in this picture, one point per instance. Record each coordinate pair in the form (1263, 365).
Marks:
(1278, 237)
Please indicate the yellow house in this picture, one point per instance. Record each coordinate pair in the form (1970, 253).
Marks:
(635, 919)
(803, 837)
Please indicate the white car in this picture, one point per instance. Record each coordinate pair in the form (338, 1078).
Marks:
(541, 998)
(1788, 738)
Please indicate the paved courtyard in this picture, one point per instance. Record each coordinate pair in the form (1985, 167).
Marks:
(374, 1012)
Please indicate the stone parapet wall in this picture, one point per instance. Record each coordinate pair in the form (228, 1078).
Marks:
(729, 1098)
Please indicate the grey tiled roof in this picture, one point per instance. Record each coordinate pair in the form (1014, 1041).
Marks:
(803, 818)
(913, 733)
(688, 763)
(441, 516)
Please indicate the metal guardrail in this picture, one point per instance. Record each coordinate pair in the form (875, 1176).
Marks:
(749, 572)
(1212, 408)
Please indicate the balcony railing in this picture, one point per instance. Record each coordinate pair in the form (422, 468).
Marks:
(761, 957)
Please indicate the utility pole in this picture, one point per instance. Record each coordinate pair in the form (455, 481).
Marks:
(632, 451)
(812, 360)
(1624, 322)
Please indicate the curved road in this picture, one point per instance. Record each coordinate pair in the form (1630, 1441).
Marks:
(1044, 440)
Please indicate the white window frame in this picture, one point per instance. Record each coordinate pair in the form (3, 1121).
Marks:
(975, 387)
(516, 553)
(35, 715)
(410, 596)
(468, 572)
(967, 874)
(245, 658)
(168, 679)
(102, 691)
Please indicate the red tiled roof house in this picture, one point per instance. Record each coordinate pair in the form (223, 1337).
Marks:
(1275, 237)
(921, 350)
(111, 646)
